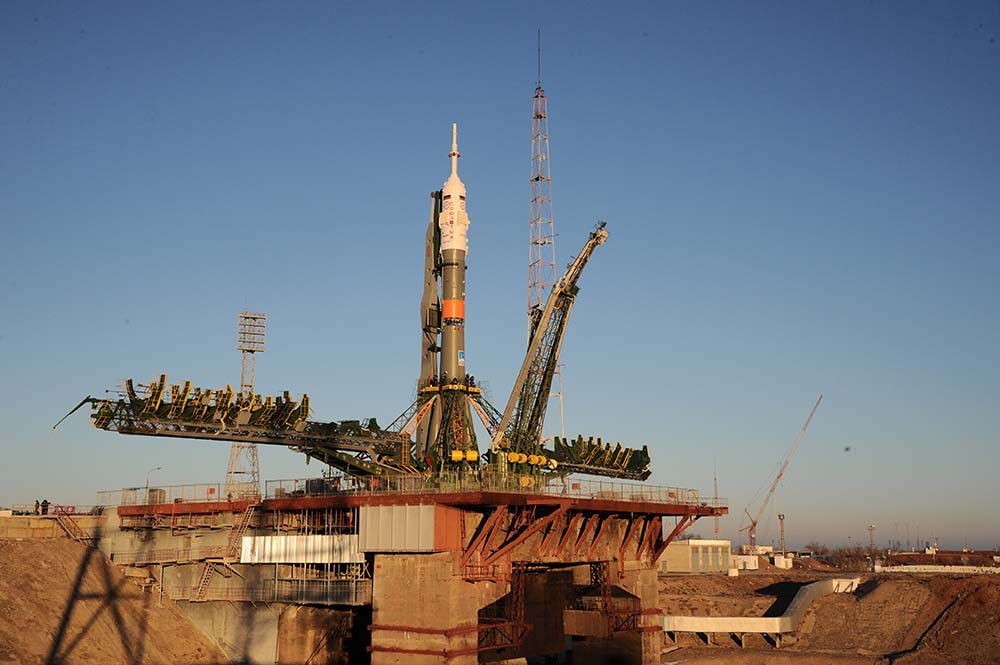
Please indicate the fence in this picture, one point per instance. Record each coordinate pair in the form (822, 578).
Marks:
(317, 592)
(485, 481)
(53, 508)
(490, 482)
(137, 496)
(167, 555)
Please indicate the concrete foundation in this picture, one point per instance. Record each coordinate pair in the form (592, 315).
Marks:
(423, 613)
(247, 633)
(635, 639)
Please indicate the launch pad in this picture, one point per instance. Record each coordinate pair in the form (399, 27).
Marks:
(464, 552)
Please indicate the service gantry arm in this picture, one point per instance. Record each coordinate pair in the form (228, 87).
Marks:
(520, 427)
(183, 411)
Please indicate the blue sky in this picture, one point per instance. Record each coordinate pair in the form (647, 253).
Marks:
(801, 198)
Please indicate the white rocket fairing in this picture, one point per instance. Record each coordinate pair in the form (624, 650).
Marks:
(454, 221)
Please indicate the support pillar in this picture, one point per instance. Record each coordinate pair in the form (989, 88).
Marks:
(423, 613)
(642, 645)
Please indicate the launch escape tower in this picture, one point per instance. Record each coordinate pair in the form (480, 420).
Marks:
(488, 545)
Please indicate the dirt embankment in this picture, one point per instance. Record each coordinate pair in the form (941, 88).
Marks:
(963, 623)
(749, 595)
(61, 603)
(903, 619)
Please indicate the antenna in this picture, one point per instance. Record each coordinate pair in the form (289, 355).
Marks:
(538, 82)
(541, 246)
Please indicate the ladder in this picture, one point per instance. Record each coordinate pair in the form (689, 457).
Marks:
(231, 554)
(239, 530)
(70, 526)
(206, 578)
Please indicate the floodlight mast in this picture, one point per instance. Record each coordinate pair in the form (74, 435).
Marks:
(243, 472)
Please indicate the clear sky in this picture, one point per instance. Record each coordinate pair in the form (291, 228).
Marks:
(801, 198)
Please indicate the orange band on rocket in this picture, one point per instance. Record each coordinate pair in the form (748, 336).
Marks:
(453, 309)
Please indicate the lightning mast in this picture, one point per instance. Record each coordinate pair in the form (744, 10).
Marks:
(542, 248)
(243, 474)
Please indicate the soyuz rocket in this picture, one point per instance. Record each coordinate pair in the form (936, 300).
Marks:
(453, 222)
(442, 308)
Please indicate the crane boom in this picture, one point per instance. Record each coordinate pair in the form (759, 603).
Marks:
(781, 472)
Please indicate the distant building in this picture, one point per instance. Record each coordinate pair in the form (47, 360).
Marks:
(745, 561)
(696, 556)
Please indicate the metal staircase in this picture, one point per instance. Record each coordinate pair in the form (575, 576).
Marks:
(231, 555)
(236, 535)
(206, 578)
(70, 526)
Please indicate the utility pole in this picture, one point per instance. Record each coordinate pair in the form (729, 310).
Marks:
(781, 523)
(542, 241)
(715, 482)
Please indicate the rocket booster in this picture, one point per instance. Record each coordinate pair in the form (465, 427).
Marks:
(454, 225)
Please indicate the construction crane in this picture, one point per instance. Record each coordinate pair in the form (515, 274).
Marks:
(754, 519)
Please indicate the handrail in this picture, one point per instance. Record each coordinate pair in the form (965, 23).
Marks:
(451, 483)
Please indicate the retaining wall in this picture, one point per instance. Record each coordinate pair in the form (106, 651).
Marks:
(786, 623)
(39, 526)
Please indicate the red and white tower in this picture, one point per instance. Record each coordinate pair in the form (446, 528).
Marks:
(542, 246)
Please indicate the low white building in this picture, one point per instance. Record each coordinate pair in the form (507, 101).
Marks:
(745, 561)
(696, 556)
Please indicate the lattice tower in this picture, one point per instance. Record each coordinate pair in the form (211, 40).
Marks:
(243, 473)
(542, 247)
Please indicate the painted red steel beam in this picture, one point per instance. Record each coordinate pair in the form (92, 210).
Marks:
(570, 527)
(485, 533)
(446, 632)
(520, 628)
(649, 538)
(184, 508)
(599, 538)
(456, 499)
(681, 527)
(633, 527)
(550, 537)
(585, 532)
(537, 526)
